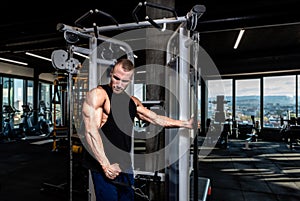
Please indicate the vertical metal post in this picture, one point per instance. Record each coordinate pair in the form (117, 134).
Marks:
(93, 82)
(70, 120)
(177, 175)
(184, 113)
(171, 154)
(196, 38)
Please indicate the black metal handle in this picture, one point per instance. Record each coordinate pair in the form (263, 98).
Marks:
(140, 4)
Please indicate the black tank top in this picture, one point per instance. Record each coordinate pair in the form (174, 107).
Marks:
(117, 131)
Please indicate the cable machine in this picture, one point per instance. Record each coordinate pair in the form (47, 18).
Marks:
(182, 58)
(93, 71)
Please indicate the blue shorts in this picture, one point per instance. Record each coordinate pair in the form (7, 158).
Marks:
(119, 189)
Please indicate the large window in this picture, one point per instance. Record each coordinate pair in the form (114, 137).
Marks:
(6, 91)
(279, 99)
(219, 98)
(18, 97)
(45, 95)
(13, 95)
(30, 93)
(247, 101)
(17, 92)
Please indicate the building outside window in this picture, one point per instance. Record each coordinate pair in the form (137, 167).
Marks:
(247, 100)
(219, 90)
(279, 100)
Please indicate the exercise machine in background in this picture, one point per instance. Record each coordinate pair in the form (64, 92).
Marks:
(39, 130)
(10, 131)
(220, 127)
(59, 132)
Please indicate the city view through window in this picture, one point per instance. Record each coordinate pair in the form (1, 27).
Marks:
(277, 95)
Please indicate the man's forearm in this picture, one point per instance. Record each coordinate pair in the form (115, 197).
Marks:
(96, 148)
(169, 122)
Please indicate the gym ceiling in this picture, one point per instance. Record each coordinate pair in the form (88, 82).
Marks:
(271, 41)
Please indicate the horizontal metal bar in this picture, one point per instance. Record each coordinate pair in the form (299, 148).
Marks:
(137, 25)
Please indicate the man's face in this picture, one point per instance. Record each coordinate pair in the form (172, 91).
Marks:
(120, 79)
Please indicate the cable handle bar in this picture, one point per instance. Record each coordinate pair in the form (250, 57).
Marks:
(90, 13)
(153, 5)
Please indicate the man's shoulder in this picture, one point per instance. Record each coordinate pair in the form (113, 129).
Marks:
(136, 100)
(104, 87)
(99, 87)
(98, 91)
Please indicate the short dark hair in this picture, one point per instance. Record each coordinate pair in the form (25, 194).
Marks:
(127, 65)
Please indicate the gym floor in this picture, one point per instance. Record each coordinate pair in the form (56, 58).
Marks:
(30, 171)
(267, 171)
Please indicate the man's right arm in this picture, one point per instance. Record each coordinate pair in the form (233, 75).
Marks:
(92, 115)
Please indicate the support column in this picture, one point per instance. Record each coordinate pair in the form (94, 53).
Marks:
(36, 74)
(154, 57)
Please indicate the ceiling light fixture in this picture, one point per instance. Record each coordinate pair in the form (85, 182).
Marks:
(237, 42)
(13, 61)
(38, 56)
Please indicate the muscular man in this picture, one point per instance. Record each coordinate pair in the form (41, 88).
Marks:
(108, 115)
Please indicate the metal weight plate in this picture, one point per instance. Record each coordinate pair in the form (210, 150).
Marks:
(59, 59)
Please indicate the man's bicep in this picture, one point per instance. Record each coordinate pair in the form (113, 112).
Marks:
(93, 102)
(145, 114)
(92, 114)
(87, 110)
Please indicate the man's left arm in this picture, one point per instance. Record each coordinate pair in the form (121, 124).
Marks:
(164, 121)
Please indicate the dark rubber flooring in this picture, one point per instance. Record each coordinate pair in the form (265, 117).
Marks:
(34, 172)
(265, 171)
